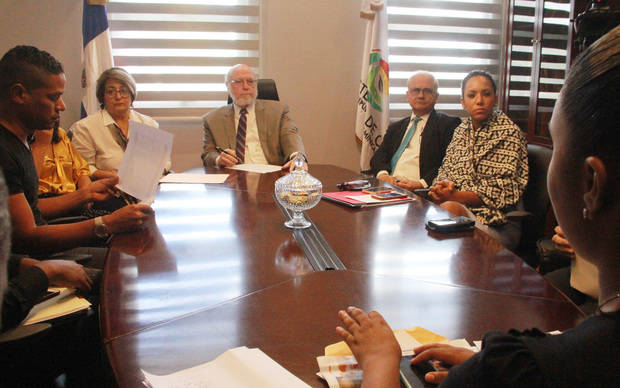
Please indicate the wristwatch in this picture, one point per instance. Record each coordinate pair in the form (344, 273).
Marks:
(101, 229)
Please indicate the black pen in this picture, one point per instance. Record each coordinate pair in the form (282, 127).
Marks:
(218, 149)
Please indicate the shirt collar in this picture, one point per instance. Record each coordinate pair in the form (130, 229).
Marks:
(108, 120)
(25, 142)
(249, 108)
(423, 117)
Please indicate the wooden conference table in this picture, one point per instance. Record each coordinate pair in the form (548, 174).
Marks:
(217, 269)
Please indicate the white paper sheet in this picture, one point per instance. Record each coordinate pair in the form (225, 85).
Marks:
(238, 367)
(259, 168)
(62, 304)
(406, 342)
(143, 164)
(194, 178)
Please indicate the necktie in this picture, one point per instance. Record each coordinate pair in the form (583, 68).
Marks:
(405, 142)
(240, 145)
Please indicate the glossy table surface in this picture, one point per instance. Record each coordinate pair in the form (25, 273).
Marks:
(217, 268)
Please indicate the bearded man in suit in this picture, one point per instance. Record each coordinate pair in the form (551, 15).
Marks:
(413, 148)
(249, 130)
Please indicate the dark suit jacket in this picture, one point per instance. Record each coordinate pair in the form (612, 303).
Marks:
(435, 139)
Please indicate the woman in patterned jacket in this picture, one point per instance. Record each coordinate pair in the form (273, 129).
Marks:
(484, 172)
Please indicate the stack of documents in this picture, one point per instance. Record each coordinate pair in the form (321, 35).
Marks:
(359, 199)
(238, 367)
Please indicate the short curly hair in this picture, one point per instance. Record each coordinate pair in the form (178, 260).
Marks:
(117, 74)
(26, 65)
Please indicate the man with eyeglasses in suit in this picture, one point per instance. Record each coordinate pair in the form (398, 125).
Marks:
(413, 148)
(249, 130)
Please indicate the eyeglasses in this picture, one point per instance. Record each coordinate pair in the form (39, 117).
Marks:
(238, 82)
(111, 92)
(416, 91)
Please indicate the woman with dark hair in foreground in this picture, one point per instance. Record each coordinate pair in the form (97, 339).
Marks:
(584, 186)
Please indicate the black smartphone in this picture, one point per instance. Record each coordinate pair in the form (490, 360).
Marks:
(390, 195)
(450, 225)
(422, 192)
(377, 190)
(359, 184)
(412, 376)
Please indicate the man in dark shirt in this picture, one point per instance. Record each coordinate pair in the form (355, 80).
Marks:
(31, 86)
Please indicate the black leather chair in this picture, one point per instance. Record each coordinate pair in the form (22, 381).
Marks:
(266, 90)
(536, 203)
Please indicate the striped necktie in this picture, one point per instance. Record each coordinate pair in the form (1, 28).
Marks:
(240, 146)
(405, 142)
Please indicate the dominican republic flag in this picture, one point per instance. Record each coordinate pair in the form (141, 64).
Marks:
(97, 55)
(373, 99)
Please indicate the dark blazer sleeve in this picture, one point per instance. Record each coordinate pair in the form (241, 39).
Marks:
(391, 140)
(24, 289)
(435, 139)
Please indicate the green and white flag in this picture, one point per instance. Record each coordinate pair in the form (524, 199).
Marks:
(373, 100)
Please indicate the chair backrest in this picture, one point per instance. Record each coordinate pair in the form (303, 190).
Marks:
(266, 90)
(536, 197)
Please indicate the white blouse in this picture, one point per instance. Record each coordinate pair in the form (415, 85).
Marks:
(92, 137)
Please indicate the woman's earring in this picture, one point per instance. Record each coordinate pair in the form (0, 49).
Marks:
(586, 214)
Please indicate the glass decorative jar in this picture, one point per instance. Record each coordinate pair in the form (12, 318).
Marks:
(298, 191)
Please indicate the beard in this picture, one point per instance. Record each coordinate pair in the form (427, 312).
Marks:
(245, 101)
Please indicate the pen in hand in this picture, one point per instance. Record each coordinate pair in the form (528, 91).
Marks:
(220, 150)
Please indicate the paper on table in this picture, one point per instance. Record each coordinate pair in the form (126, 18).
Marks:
(194, 178)
(144, 160)
(367, 198)
(238, 367)
(406, 341)
(259, 168)
(62, 304)
(337, 370)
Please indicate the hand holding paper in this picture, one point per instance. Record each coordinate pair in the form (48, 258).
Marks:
(144, 161)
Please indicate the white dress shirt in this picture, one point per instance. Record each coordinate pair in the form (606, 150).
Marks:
(253, 150)
(408, 165)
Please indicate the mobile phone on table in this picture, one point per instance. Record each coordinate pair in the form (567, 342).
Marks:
(359, 184)
(412, 376)
(390, 195)
(450, 225)
(422, 192)
(377, 190)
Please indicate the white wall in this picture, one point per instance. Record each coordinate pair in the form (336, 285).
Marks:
(54, 26)
(311, 48)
